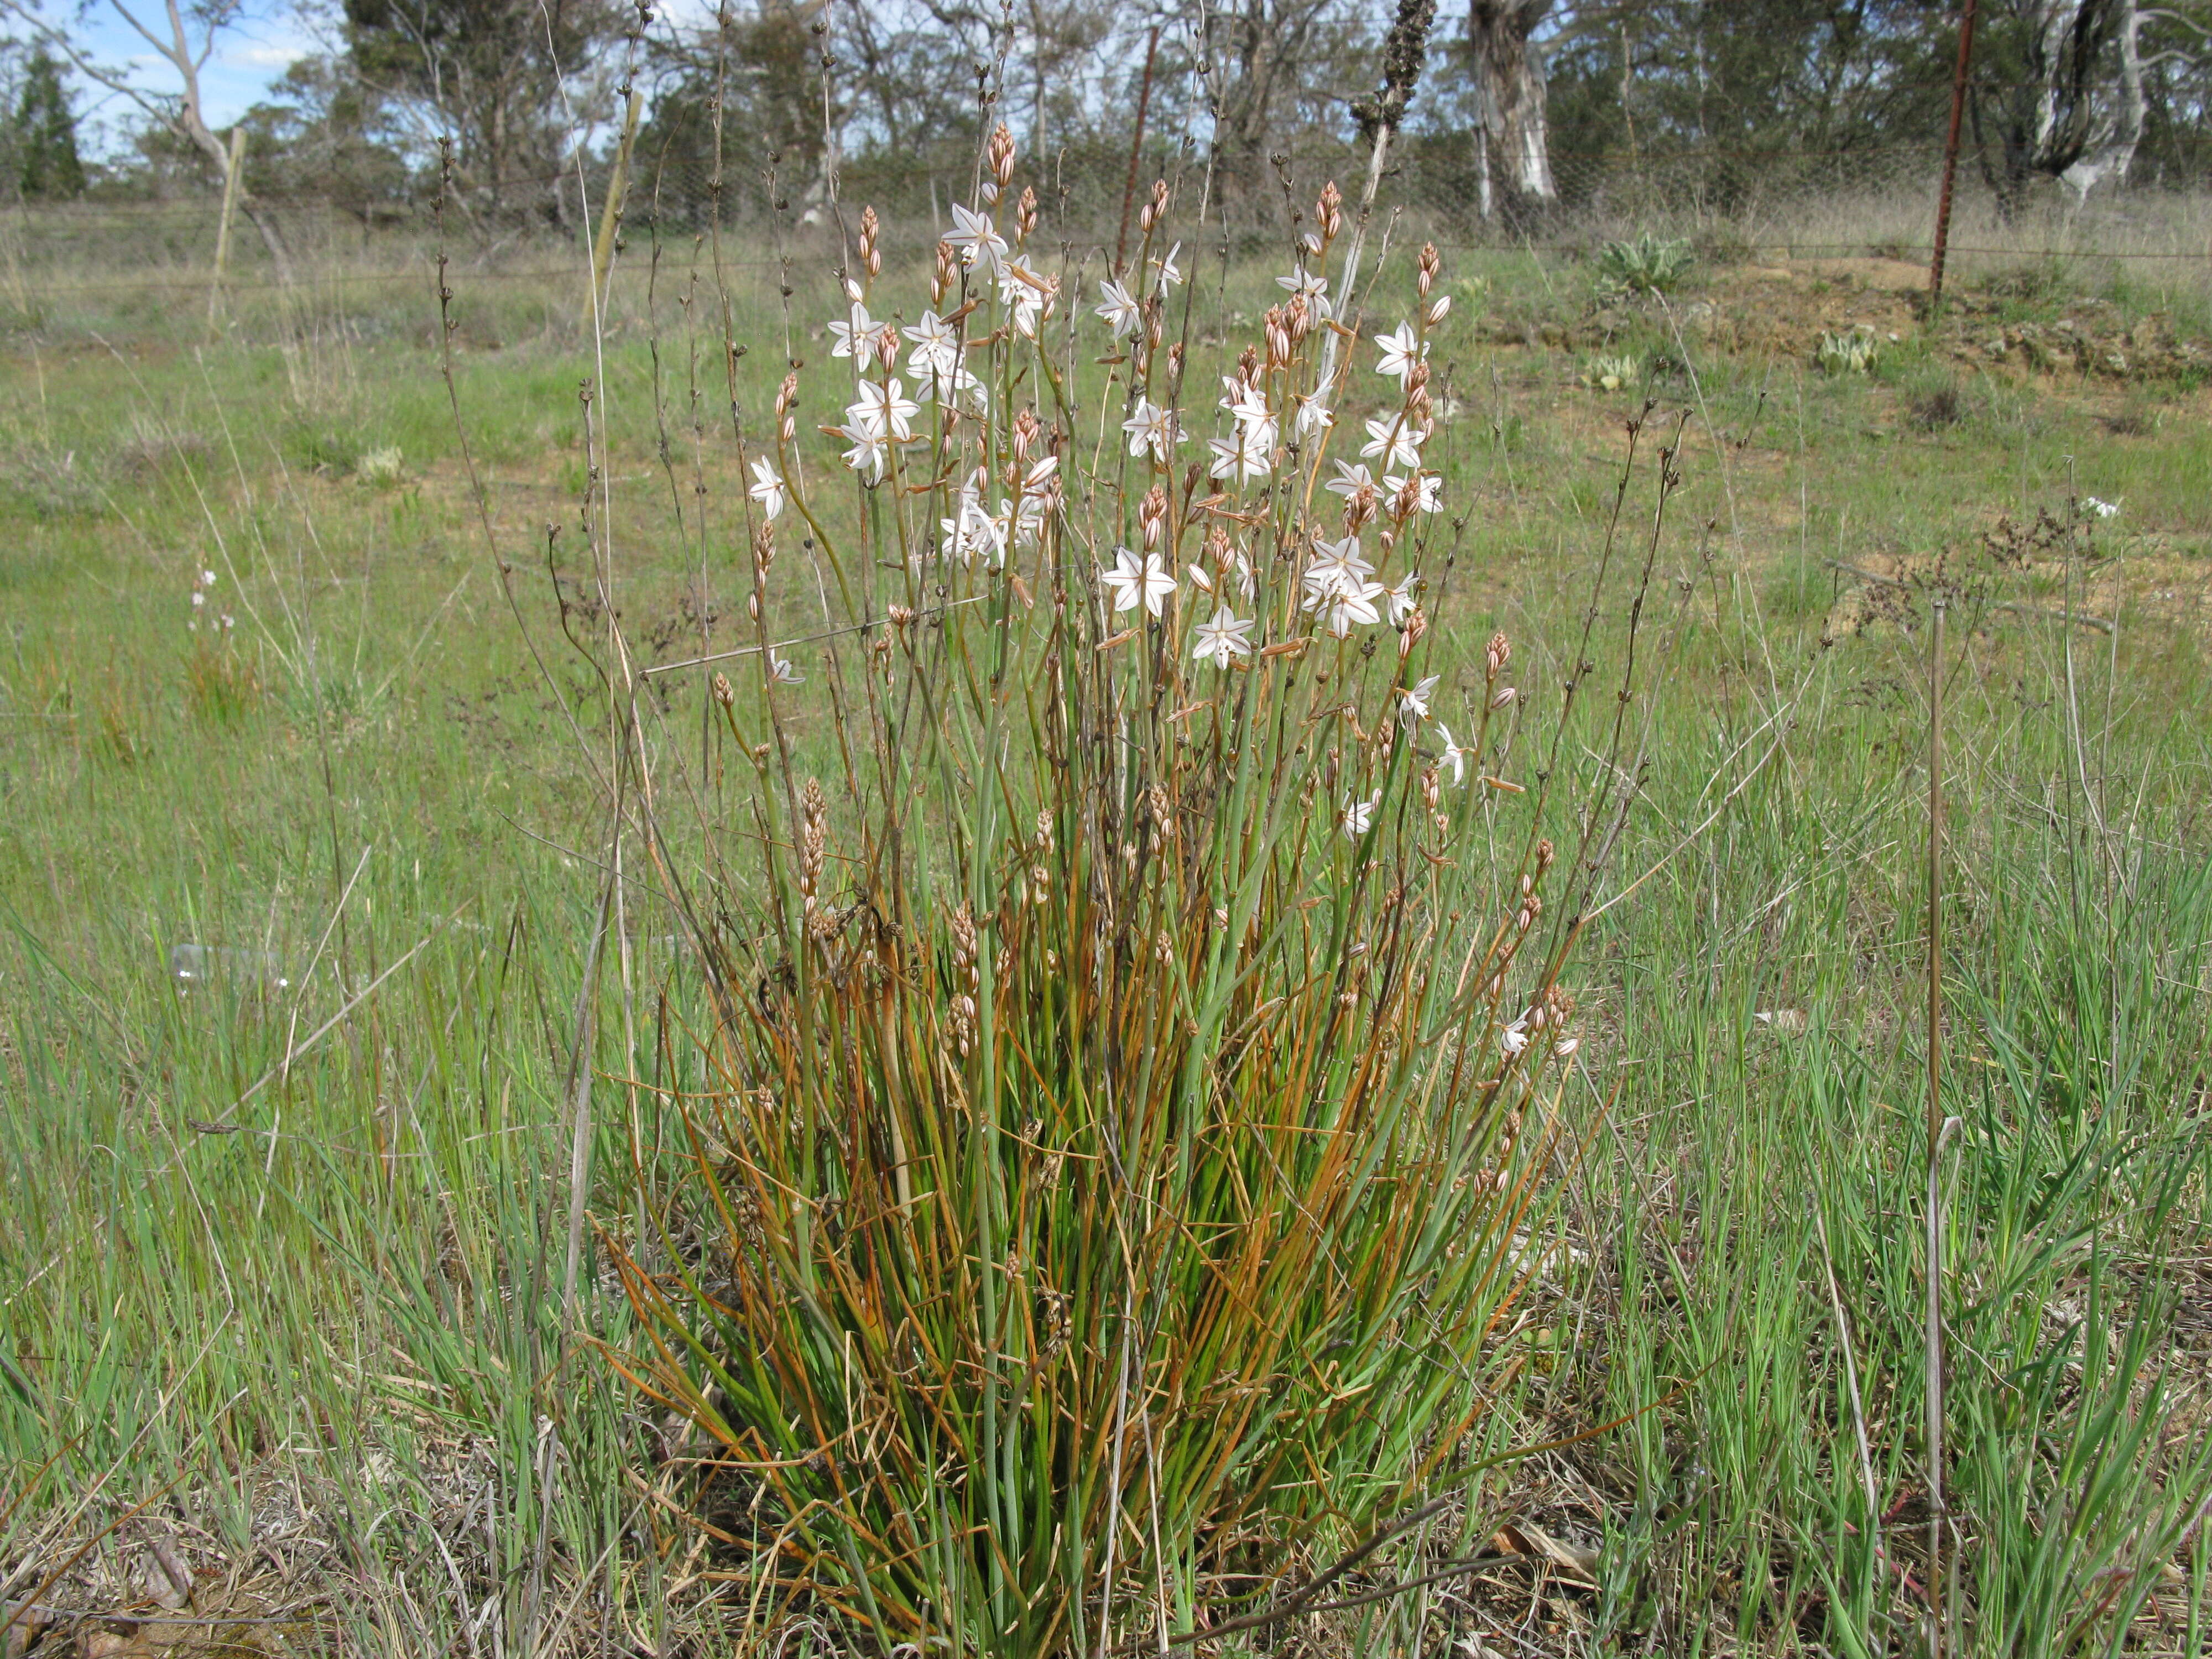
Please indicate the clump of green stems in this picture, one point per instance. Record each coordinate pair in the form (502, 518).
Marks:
(1134, 1089)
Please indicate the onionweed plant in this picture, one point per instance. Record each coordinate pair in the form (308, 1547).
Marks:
(1133, 1109)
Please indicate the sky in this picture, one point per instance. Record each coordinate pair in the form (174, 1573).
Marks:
(268, 37)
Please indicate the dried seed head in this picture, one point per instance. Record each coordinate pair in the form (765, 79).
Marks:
(764, 546)
(1044, 831)
(725, 693)
(900, 615)
(1545, 854)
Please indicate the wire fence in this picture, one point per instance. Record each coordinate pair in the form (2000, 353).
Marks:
(1733, 203)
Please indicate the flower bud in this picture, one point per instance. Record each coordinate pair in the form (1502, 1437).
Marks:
(1025, 213)
(1429, 263)
(1440, 310)
(1330, 211)
(1001, 152)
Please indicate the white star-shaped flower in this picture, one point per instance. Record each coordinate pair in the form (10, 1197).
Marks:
(1351, 607)
(1514, 1038)
(1313, 285)
(1153, 428)
(1413, 704)
(1029, 293)
(1396, 442)
(1121, 312)
(1245, 455)
(884, 410)
(1401, 598)
(869, 451)
(767, 487)
(1223, 639)
(1170, 275)
(1358, 814)
(1401, 350)
(1337, 567)
(1146, 581)
(1351, 477)
(780, 670)
(1455, 755)
(936, 352)
(857, 335)
(977, 240)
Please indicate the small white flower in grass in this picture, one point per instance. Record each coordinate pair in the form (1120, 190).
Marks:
(207, 577)
(199, 598)
(976, 237)
(1121, 312)
(1454, 755)
(767, 487)
(780, 670)
(1401, 351)
(1153, 429)
(1223, 639)
(1430, 498)
(1413, 704)
(1170, 275)
(1514, 1038)
(2102, 510)
(884, 410)
(1403, 602)
(1351, 477)
(936, 353)
(1146, 581)
(1399, 444)
(1358, 814)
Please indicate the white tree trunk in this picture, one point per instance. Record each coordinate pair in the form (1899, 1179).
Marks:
(2114, 153)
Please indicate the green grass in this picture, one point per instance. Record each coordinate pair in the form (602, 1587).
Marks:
(331, 1318)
